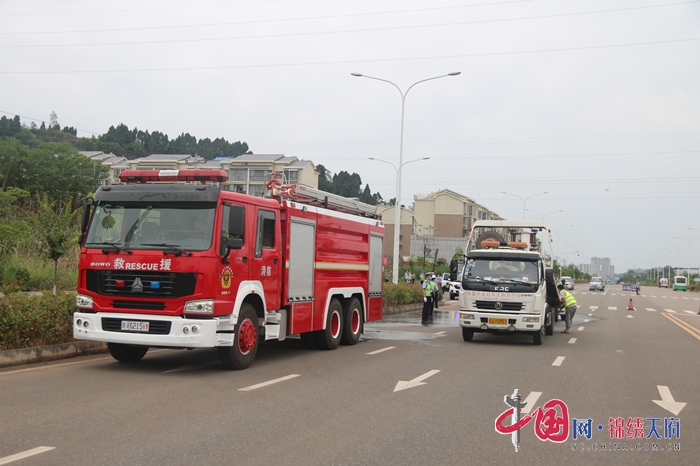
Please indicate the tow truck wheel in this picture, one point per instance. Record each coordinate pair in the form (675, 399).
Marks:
(467, 334)
(549, 320)
(538, 336)
(127, 353)
(329, 338)
(352, 322)
(245, 341)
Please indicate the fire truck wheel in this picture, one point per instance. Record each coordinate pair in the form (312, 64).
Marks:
(329, 338)
(245, 342)
(127, 353)
(352, 322)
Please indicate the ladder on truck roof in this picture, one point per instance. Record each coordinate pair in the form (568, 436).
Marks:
(312, 196)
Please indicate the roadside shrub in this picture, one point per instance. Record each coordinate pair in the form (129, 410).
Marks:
(35, 320)
(402, 293)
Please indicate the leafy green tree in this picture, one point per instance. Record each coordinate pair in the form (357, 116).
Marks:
(56, 227)
(13, 224)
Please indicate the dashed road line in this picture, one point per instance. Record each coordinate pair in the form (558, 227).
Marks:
(650, 309)
(586, 320)
(670, 310)
(559, 360)
(593, 308)
(580, 328)
(382, 350)
(530, 402)
(572, 341)
(24, 454)
(689, 312)
(269, 382)
(612, 308)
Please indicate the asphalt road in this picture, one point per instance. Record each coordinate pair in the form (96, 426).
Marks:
(296, 406)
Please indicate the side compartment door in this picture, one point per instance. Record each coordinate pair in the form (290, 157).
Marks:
(231, 274)
(266, 262)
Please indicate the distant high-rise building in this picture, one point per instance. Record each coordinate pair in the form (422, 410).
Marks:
(601, 267)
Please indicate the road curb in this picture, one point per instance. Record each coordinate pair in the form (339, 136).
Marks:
(17, 357)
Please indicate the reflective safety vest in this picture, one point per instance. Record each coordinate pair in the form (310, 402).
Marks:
(569, 300)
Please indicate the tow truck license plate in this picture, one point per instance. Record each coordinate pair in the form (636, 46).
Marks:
(498, 321)
(135, 326)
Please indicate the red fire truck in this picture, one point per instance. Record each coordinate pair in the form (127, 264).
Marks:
(171, 260)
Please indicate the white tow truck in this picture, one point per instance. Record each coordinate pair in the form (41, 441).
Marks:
(508, 281)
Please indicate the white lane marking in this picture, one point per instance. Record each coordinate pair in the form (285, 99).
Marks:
(270, 382)
(667, 402)
(673, 297)
(439, 333)
(689, 312)
(696, 299)
(630, 317)
(25, 454)
(589, 315)
(651, 309)
(593, 307)
(382, 350)
(612, 308)
(653, 296)
(559, 360)
(685, 298)
(189, 368)
(531, 400)
(670, 310)
(403, 384)
(572, 341)
(580, 328)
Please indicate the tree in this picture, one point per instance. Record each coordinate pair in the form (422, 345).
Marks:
(325, 178)
(56, 226)
(13, 225)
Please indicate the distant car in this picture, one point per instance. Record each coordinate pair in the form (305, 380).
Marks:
(663, 282)
(568, 283)
(596, 284)
(445, 282)
(455, 287)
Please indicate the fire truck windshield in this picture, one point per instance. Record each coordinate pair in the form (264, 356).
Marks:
(165, 226)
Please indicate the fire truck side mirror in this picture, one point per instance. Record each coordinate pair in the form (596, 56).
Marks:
(234, 243)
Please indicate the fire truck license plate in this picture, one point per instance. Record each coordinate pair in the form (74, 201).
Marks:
(135, 326)
(498, 321)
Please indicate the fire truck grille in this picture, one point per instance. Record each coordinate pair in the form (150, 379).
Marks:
(141, 284)
(492, 306)
(155, 327)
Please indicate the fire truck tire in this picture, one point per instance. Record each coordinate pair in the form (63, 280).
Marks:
(127, 353)
(352, 322)
(245, 342)
(329, 338)
(538, 336)
(467, 334)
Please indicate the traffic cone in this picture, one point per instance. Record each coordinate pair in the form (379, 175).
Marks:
(630, 306)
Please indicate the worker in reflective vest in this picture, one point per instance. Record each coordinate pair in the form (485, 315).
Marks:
(568, 303)
(427, 301)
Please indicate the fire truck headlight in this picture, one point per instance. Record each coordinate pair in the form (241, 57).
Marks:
(83, 302)
(531, 319)
(204, 306)
(468, 316)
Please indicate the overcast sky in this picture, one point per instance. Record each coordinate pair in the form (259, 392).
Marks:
(596, 102)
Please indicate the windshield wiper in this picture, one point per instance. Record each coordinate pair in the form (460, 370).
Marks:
(469, 277)
(173, 249)
(113, 247)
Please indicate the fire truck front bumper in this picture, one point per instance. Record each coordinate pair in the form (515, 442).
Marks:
(163, 331)
(492, 322)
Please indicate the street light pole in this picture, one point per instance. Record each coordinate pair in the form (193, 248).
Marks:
(545, 215)
(524, 200)
(397, 216)
(559, 242)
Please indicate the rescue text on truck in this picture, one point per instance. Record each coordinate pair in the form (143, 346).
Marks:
(171, 260)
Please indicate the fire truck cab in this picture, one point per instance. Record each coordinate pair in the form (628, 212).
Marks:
(170, 260)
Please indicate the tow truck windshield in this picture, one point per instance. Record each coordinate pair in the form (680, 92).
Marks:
(498, 272)
(172, 227)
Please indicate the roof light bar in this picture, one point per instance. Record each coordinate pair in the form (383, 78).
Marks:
(144, 176)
